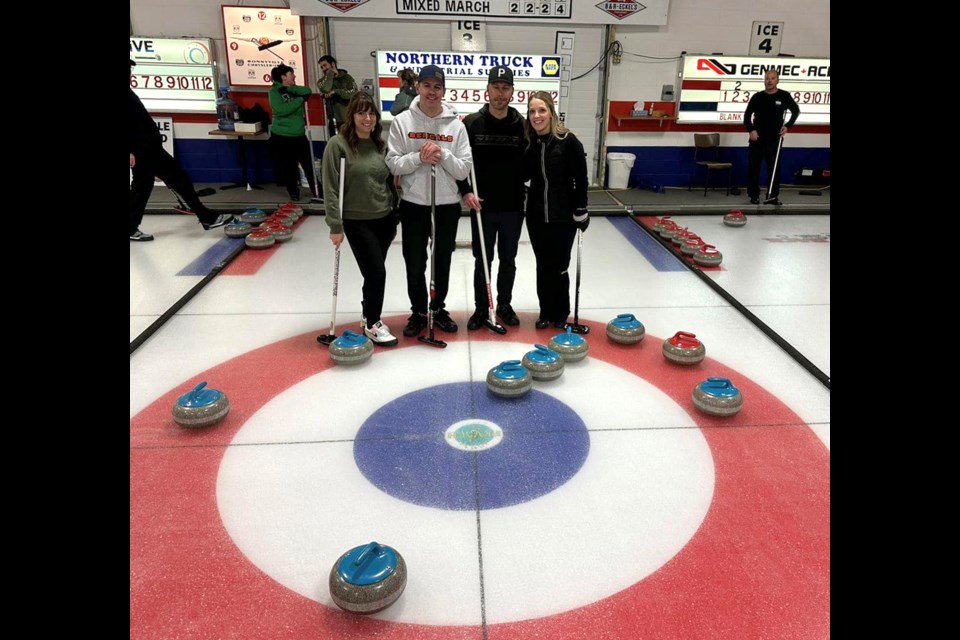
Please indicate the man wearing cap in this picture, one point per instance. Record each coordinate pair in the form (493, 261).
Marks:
(497, 142)
(428, 134)
(148, 159)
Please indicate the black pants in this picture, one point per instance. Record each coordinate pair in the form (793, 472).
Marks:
(552, 244)
(507, 225)
(287, 153)
(157, 162)
(415, 219)
(763, 150)
(369, 241)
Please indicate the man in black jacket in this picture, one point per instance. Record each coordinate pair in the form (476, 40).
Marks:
(765, 120)
(498, 142)
(148, 158)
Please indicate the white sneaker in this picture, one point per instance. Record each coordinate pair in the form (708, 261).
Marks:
(380, 334)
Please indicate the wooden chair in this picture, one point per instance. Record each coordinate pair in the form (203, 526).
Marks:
(706, 153)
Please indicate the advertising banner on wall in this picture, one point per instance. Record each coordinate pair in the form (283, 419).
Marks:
(648, 12)
(466, 76)
(174, 75)
(258, 39)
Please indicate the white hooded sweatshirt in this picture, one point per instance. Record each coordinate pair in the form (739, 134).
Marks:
(408, 132)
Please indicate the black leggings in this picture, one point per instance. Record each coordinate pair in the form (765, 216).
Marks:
(369, 241)
(161, 164)
(552, 244)
(287, 153)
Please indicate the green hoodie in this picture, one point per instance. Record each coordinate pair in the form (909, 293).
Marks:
(368, 188)
(288, 115)
(344, 86)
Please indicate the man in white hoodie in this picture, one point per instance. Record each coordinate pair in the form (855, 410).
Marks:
(428, 134)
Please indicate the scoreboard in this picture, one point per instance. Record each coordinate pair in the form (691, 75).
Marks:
(717, 88)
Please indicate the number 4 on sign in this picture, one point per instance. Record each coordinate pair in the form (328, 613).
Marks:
(765, 38)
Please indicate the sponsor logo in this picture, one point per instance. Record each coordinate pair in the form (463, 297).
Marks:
(247, 18)
(550, 67)
(712, 64)
(344, 5)
(621, 10)
(196, 53)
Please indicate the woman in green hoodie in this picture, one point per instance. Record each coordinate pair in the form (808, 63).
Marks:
(289, 145)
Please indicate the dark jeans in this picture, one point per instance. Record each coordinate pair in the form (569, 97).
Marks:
(507, 225)
(763, 150)
(157, 162)
(369, 240)
(552, 244)
(287, 153)
(415, 220)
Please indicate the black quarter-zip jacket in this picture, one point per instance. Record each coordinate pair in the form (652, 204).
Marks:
(557, 170)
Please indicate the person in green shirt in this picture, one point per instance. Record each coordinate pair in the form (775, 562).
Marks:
(337, 87)
(288, 142)
(369, 201)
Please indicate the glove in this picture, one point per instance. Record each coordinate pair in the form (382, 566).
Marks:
(584, 223)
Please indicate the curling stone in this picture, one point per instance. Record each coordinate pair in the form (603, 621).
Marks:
(570, 346)
(735, 218)
(284, 217)
(351, 348)
(280, 232)
(292, 206)
(543, 363)
(679, 236)
(684, 348)
(237, 228)
(708, 256)
(626, 329)
(718, 397)
(660, 222)
(509, 379)
(200, 407)
(260, 239)
(691, 245)
(254, 216)
(368, 578)
(668, 229)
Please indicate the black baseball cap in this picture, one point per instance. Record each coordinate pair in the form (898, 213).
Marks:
(501, 74)
(431, 72)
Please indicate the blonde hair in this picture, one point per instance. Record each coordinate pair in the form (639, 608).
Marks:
(557, 128)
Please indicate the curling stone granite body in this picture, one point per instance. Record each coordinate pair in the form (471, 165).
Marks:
(570, 346)
(679, 236)
(658, 225)
(718, 397)
(294, 207)
(279, 231)
(283, 217)
(200, 407)
(368, 578)
(691, 245)
(509, 379)
(543, 363)
(237, 228)
(626, 329)
(260, 239)
(253, 216)
(684, 348)
(667, 229)
(351, 348)
(708, 256)
(735, 218)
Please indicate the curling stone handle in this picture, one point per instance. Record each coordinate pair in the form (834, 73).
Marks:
(510, 365)
(197, 389)
(718, 383)
(541, 348)
(626, 316)
(368, 554)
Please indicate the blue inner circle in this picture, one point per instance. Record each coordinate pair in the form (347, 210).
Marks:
(401, 448)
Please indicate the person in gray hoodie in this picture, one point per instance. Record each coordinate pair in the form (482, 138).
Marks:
(428, 135)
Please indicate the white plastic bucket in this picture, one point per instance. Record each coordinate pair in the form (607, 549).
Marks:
(618, 169)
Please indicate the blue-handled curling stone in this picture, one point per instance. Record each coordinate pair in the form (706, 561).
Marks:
(626, 329)
(254, 216)
(570, 346)
(684, 348)
(543, 363)
(509, 379)
(200, 407)
(718, 397)
(237, 228)
(351, 348)
(368, 578)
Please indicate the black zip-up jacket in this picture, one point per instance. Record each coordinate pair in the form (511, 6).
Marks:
(143, 132)
(498, 147)
(557, 169)
(765, 113)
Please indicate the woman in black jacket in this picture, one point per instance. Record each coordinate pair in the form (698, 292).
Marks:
(556, 204)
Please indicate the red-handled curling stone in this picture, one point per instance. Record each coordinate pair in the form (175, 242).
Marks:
(626, 329)
(200, 407)
(718, 397)
(658, 225)
(684, 348)
(543, 363)
(668, 228)
(351, 348)
(570, 346)
(260, 239)
(691, 245)
(680, 235)
(708, 256)
(368, 578)
(735, 218)
(509, 379)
